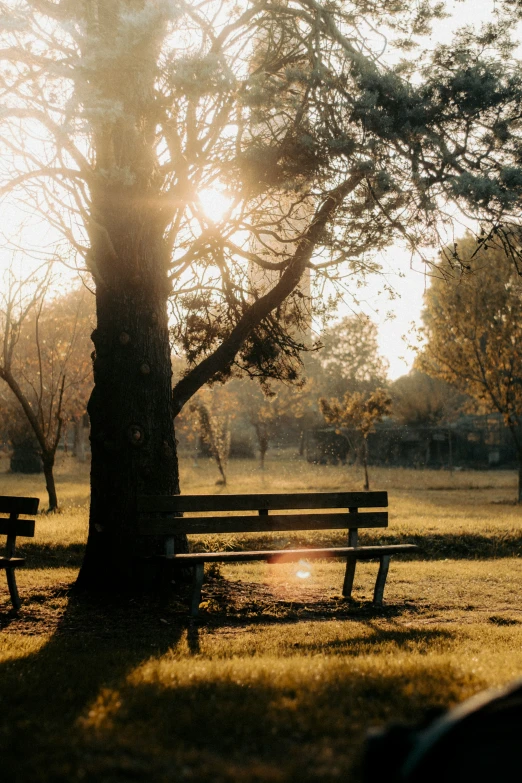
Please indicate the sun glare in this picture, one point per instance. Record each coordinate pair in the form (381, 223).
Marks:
(214, 202)
(304, 570)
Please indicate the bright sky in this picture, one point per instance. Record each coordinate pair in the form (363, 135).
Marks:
(396, 317)
(406, 276)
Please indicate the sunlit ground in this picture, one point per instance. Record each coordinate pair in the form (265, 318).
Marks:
(280, 677)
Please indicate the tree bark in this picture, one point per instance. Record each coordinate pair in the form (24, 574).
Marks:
(132, 406)
(520, 477)
(132, 432)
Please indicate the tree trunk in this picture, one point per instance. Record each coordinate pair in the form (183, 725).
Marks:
(365, 464)
(79, 440)
(132, 432)
(515, 431)
(48, 466)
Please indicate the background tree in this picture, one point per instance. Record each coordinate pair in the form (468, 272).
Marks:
(273, 412)
(213, 409)
(360, 412)
(473, 331)
(421, 400)
(349, 358)
(45, 361)
(18, 436)
(287, 109)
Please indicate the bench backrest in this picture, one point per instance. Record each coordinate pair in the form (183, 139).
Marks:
(161, 514)
(10, 525)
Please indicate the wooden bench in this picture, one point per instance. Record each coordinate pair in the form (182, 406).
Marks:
(162, 516)
(11, 526)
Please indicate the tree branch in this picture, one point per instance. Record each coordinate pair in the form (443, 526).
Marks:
(224, 355)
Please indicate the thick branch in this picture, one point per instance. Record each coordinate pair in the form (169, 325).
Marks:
(224, 355)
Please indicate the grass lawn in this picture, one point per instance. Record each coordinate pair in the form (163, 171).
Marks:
(279, 678)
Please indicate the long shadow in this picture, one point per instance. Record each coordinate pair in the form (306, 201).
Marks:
(235, 603)
(41, 555)
(465, 546)
(440, 546)
(76, 709)
(45, 694)
(73, 710)
(433, 546)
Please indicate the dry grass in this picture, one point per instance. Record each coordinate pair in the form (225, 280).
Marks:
(281, 677)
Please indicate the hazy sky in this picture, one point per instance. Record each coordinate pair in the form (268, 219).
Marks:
(410, 289)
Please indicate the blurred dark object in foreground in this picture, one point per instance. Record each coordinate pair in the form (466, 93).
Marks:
(478, 741)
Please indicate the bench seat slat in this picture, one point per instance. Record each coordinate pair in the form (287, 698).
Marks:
(286, 555)
(170, 526)
(15, 505)
(165, 504)
(11, 562)
(16, 527)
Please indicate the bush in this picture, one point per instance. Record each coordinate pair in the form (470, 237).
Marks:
(241, 447)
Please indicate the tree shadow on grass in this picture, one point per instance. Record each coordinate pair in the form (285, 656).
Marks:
(239, 602)
(44, 689)
(467, 546)
(42, 555)
(121, 691)
(433, 546)
(457, 546)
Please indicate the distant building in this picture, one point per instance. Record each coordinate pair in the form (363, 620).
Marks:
(471, 442)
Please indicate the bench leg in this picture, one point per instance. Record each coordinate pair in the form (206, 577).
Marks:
(381, 580)
(197, 583)
(349, 576)
(13, 589)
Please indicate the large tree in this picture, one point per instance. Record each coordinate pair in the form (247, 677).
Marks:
(473, 331)
(119, 114)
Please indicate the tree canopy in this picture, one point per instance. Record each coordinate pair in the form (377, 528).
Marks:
(473, 331)
(360, 412)
(323, 150)
(424, 401)
(349, 359)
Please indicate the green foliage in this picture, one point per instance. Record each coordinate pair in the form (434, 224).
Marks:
(472, 327)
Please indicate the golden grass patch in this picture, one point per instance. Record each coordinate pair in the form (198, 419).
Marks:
(280, 677)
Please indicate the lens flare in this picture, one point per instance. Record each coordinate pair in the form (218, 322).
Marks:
(304, 570)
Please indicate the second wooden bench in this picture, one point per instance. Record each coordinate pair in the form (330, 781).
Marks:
(11, 526)
(162, 516)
